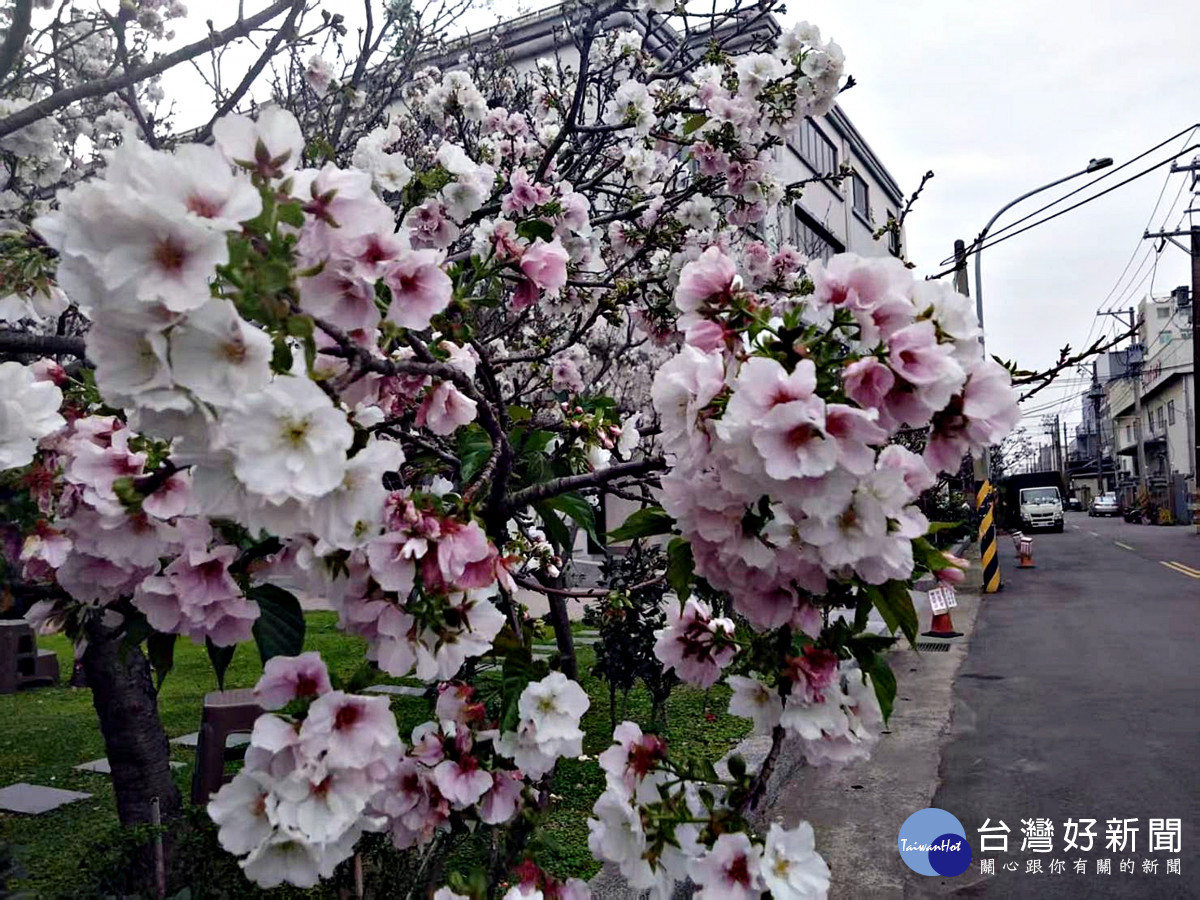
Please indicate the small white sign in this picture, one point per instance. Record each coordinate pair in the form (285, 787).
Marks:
(942, 598)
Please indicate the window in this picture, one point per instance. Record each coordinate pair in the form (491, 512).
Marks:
(1129, 432)
(1162, 419)
(816, 149)
(1163, 312)
(810, 242)
(862, 196)
(1170, 412)
(893, 236)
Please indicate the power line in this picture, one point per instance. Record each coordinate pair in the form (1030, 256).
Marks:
(1107, 174)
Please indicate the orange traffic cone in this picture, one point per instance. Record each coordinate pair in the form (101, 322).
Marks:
(1025, 550)
(941, 627)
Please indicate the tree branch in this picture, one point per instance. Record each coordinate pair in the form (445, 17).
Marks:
(569, 483)
(255, 70)
(14, 41)
(19, 342)
(114, 83)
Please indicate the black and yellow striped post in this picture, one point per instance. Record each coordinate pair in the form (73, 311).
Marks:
(989, 558)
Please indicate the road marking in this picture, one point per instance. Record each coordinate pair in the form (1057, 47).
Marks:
(1119, 544)
(1185, 567)
(1181, 569)
(1094, 533)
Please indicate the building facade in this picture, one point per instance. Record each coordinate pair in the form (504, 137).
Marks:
(830, 218)
(1165, 375)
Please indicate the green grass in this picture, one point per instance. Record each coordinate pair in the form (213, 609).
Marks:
(48, 731)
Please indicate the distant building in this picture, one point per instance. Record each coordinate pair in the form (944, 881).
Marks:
(829, 219)
(1167, 380)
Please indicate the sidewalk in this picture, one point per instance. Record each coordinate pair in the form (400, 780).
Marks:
(857, 811)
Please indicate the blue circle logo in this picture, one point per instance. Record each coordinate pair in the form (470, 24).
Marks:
(933, 842)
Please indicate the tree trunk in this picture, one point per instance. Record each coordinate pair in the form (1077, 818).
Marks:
(134, 740)
(562, 635)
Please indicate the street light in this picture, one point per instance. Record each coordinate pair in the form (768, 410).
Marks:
(1093, 165)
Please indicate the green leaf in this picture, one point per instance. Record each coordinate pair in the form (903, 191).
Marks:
(884, 683)
(643, 523)
(894, 602)
(935, 527)
(292, 214)
(161, 650)
(517, 673)
(694, 122)
(680, 566)
(862, 612)
(281, 356)
(300, 326)
(520, 413)
(537, 441)
(279, 628)
(220, 658)
(474, 448)
(578, 509)
(555, 530)
(929, 556)
(532, 229)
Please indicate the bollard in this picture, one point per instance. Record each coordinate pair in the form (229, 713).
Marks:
(1025, 549)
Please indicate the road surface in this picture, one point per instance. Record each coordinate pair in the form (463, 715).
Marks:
(1079, 699)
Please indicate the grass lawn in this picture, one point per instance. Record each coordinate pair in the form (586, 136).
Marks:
(48, 731)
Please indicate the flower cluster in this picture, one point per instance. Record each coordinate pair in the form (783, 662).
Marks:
(302, 801)
(784, 478)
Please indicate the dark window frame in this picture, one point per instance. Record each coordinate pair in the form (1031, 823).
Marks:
(864, 211)
(802, 221)
(815, 149)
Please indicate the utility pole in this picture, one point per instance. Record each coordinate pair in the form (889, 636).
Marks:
(1133, 358)
(1192, 249)
(985, 494)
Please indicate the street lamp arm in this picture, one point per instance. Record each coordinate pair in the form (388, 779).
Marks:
(1091, 167)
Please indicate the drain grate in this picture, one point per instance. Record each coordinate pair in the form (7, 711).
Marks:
(933, 646)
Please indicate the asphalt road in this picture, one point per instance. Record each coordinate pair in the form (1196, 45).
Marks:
(1078, 699)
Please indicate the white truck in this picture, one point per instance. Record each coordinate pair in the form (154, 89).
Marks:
(1041, 507)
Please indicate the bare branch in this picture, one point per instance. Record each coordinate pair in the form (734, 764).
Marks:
(114, 83)
(14, 41)
(22, 342)
(569, 483)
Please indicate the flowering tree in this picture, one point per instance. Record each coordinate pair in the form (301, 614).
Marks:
(369, 354)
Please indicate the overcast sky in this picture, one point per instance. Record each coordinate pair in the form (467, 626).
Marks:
(997, 99)
(1000, 98)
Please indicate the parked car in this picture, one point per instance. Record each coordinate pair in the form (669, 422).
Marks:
(1041, 507)
(1074, 503)
(1105, 505)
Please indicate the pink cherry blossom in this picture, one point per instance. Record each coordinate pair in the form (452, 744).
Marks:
(420, 289)
(461, 781)
(546, 265)
(351, 731)
(695, 644)
(711, 278)
(446, 409)
(867, 382)
(288, 678)
(503, 800)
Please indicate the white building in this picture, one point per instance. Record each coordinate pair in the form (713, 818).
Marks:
(1167, 382)
(831, 218)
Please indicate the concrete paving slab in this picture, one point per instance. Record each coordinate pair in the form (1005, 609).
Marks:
(190, 740)
(34, 799)
(103, 767)
(401, 690)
